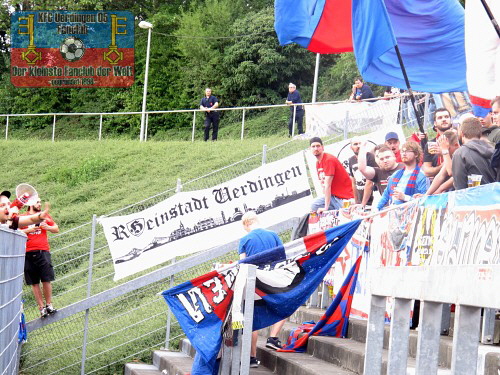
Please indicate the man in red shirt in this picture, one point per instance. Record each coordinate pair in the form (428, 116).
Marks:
(334, 179)
(38, 264)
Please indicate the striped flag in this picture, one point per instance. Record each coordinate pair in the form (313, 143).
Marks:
(286, 277)
(336, 318)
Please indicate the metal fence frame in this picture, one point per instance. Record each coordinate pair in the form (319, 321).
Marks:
(77, 318)
(12, 250)
(468, 286)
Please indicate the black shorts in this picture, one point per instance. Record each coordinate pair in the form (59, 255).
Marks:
(38, 267)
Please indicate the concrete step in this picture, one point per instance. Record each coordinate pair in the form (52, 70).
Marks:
(357, 332)
(172, 363)
(141, 369)
(295, 363)
(180, 363)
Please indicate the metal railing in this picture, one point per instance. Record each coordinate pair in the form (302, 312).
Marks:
(101, 116)
(12, 249)
(470, 287)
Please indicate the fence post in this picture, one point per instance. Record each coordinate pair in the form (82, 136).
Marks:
(169, 312)
(293, 119)
(488, 326)
(7, 128)
(465, 339)
(398, 341)
(243, 124)
(146, 128)
(179, 186)
(89, 287)
(264, 154)
(54, 129)
(375, 336)
(194, 125)
(428, 337)
(346, 125)
(100, 127)
(246, 340)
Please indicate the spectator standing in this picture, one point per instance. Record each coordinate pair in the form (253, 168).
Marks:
(473, 157)
(358, 179)
(361, 90)
(432, 154)
(334, 179)
(208, 104)
(392, 141)
(256, 241)
(294, 98)
(404, 183)
(38, 264)
(380, 174)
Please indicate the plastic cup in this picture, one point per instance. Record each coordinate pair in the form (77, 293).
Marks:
(476, 179)
(469, 181)
(431, 146)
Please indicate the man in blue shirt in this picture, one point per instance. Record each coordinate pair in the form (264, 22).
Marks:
(256, 241)
(405, 183)
(361, 90)
(294, 98)
(208, 104)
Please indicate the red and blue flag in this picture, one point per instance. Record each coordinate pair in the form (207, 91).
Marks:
(336, 318)
(286, 277)
(429, 34)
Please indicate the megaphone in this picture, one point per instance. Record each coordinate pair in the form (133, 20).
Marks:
(26, 195)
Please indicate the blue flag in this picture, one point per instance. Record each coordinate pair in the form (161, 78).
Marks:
(429, 33)
(286, 277)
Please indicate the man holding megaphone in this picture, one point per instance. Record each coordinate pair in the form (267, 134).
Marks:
(9, 213)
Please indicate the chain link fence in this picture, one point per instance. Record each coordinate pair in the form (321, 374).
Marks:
(12, 248)
(100, 339)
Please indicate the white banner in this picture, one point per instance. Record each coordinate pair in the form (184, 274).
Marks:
(330, 119)
(189, 222)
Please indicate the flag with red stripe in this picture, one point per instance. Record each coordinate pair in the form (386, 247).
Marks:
(286, 277)
(336, 318)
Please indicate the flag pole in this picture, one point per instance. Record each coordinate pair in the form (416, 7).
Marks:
(315, 84)
(410, 91)
(491, 16)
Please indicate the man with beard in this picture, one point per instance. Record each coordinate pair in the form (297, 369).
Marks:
(333, 177)
(358, 180)
(38, 265)
(387, 165)
(433, 159)
(404, 183)
(473, 157)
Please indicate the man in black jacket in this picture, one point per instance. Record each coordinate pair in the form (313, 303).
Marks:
(473, 157)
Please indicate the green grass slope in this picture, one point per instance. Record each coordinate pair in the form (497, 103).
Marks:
(82, 178)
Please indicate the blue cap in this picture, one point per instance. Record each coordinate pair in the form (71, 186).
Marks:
(391, 135)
